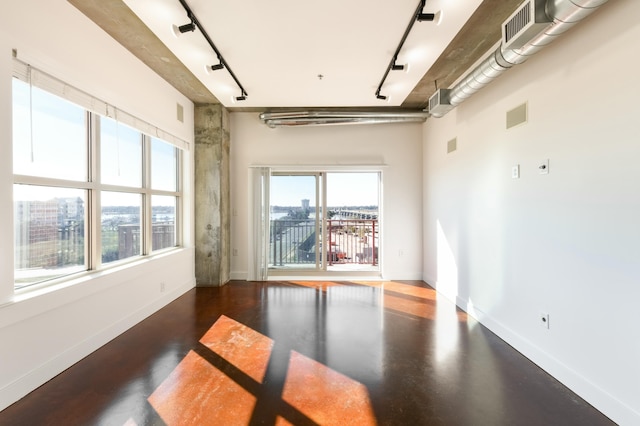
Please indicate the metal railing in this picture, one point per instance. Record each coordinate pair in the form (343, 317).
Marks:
(293, 242)
(353, 241)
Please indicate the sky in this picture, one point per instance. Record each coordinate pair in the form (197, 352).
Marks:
(343, 189)
(50, 140)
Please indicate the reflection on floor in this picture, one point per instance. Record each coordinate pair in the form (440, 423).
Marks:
(305, 353)
(198, 393)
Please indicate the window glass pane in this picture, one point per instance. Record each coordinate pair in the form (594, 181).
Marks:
(163, 211)
(120, 154)
(49, 135)
(121, 237)
(49, 232)
(163, 165)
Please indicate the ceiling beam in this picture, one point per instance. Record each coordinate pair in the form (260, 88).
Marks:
(117, 20)
(481, 32)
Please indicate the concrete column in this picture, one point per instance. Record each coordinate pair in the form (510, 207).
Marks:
(212, 195)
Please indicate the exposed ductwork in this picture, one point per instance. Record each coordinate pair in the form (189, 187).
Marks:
(328, 117)
(563, 14)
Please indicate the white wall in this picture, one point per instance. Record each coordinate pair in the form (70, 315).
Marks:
(566, 243)
(396, 145)
(42, 334)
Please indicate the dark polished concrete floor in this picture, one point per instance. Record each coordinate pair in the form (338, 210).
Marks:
(305, 353)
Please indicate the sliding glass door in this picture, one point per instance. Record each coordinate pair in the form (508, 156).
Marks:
(323, 222)
(295, 228)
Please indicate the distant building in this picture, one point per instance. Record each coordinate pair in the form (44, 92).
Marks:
(163, 235)
(49, 233)
(305, 204)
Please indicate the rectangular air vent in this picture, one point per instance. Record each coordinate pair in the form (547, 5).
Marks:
(524, 24)
(180, 113)
(439, 103)
(517, 116)
(452, 145)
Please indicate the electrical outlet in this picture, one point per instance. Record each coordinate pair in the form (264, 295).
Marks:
(162, 287)
(235, 251)
(515, 171)
(543, 167)
(544, 320)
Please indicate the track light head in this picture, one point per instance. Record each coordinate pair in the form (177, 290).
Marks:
(381, 97)
(187, 28)
(397, 67)
(242, 97)
(179, 30)
(426, 17)
(217, 67)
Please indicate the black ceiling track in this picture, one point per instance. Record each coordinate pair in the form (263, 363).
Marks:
(194, 20)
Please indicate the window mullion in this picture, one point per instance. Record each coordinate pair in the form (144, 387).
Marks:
(146, 196)
(95, 210)
(177, 221)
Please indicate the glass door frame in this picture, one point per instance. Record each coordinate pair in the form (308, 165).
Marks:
(319, 228)
(323, 170)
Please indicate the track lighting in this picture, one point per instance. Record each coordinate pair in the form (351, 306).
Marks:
(421, 17)
(178, 30)
(242, 97)
(418, 15)
(222, 63)
(187, 27)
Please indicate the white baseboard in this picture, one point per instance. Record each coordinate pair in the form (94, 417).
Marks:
(590, 392)
(238, 275)
(38, 376)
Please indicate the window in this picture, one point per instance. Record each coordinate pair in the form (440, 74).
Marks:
(164, 184)
(49, 135)
(120, 154)
(78, 173)
(120, 225)
(163, 166)
(163, 218)
(49, 232)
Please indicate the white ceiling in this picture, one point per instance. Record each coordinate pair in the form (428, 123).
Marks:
(277, 49)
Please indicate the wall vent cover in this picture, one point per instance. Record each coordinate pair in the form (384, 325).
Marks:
(452, 145)
(524, 24)
(517, 116)
(180, 112)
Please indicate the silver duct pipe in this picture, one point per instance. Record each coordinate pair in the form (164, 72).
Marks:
(322, 117)
(564, 15)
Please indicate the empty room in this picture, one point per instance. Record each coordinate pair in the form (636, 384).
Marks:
(366, 212)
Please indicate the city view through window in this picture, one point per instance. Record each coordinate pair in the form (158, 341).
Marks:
(54, 185)
(347, 238)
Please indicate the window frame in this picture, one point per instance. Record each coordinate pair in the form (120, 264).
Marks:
(93, 185)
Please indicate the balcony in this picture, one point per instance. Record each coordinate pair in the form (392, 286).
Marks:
(350, 244)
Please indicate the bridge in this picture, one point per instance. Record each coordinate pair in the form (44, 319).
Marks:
(355, 214)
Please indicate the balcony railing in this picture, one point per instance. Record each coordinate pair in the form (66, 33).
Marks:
(293, 242)
(353, 241)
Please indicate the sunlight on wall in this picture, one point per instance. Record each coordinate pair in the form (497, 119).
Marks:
(447, 328)
(447, 268)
